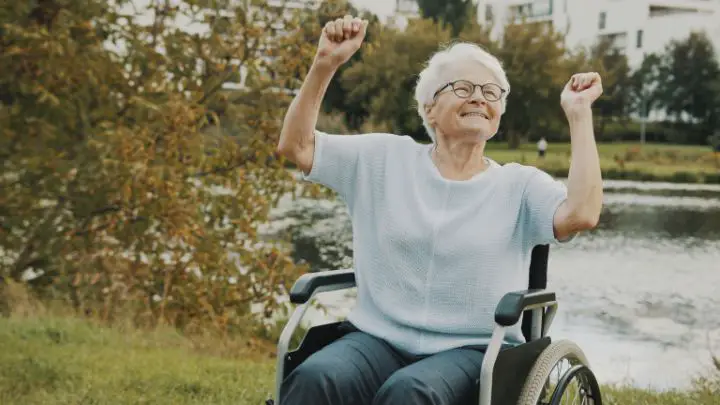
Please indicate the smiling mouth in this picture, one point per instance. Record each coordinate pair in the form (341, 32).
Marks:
(475, 114)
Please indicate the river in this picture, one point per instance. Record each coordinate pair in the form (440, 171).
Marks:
(640, 294)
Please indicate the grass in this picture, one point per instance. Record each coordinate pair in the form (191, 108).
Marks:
(70, 361)
(631, 161)
(65, 360)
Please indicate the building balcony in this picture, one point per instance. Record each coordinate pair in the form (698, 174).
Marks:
(670, 7)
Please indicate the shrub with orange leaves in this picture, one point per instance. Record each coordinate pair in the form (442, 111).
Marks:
(134, 176)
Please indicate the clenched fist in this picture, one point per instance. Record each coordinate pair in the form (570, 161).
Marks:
(580, 92)
(340, 39)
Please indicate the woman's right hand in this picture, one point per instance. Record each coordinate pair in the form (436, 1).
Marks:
(339, 41)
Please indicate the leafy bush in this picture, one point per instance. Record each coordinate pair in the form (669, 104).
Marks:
(134, 180)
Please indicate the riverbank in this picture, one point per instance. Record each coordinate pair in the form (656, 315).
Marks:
(64, 360)
(624, 161)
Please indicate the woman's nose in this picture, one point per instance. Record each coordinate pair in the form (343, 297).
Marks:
(478, 97)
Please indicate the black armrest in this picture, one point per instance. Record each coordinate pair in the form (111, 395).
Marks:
(306, 285)
(512, 304)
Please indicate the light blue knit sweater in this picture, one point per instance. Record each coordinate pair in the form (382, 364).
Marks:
(432, 256)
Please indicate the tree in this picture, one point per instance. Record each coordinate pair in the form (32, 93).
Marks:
(615, 72)
(454, 13)
(690, 69)
(478, 34)
(132, 179)
(534, 59)
(336, 96)
(643, 87)
(384, 83)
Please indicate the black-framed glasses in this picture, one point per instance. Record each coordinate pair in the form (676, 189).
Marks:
(465, 89)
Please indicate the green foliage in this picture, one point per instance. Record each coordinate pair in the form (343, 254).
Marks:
(132, 179)
(336, 97)
(684, 83)
(691, 73)
(630, 131)
(644, 85)
(613, 67)
(384, 83)
(714, 141)
(455, 14)
(533, 55)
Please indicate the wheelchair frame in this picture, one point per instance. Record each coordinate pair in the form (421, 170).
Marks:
(495, 388)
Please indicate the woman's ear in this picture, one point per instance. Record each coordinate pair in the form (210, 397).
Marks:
(429, 115)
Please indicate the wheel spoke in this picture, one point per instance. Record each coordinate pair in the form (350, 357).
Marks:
(561, 376)
(577, 391)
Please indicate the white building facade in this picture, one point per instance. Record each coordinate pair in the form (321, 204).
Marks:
(637, 27)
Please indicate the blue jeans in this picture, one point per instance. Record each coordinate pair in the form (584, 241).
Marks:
(359, 369)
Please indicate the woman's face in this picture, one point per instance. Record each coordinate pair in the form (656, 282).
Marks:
(467, 111)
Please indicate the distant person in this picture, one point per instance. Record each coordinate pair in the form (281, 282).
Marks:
(542, 147)
(440, 231)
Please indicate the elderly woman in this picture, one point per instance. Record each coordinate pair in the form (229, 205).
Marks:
(441, 232)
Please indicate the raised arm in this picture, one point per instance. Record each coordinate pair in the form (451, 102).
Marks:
(581, 210)
(339, 40)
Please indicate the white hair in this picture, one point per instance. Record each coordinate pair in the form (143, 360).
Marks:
(430, 79)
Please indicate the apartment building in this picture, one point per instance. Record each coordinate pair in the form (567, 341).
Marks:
(636, 27)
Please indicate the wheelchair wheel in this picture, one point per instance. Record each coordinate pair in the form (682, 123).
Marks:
(561, 375)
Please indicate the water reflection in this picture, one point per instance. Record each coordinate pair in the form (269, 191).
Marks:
(641, 220)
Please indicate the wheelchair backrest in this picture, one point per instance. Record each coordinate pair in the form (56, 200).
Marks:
(537, 280)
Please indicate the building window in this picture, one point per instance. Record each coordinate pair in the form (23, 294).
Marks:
(489, 13)
(532, 9)
(639, 39)
(601, 22)
(542, 8)
(617, 41)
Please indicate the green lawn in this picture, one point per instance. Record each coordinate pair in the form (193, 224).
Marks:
(632, 161)
(54, 360)
(65, 361)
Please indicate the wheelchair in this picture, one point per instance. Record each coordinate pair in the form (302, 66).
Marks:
(518, 374)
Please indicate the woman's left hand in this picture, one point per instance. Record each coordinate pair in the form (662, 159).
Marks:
(580, 92)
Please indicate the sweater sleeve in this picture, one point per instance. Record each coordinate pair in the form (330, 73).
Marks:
(541, 199)
(337, 160)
